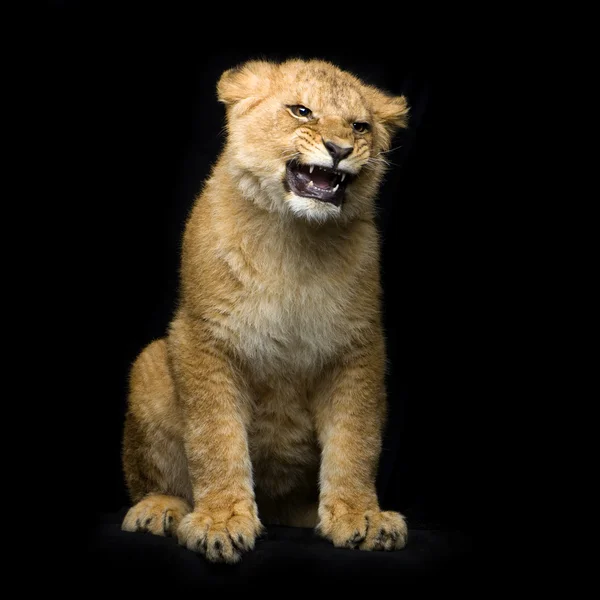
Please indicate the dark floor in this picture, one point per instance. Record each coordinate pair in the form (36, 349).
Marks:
(284, 556)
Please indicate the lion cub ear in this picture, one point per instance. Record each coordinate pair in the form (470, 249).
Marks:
(245, 81)
(391, 111)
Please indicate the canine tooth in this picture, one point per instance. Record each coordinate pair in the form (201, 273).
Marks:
(310, 183)
(336, 187)
(312, 168)
(343, 176)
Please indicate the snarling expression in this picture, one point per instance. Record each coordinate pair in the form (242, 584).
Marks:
(306, 138)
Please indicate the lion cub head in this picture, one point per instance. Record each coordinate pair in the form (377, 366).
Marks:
(306, 138)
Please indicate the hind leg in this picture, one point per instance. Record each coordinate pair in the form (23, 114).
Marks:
(157, 514)
(154, 459)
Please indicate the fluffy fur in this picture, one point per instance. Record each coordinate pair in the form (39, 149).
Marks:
(266, 399)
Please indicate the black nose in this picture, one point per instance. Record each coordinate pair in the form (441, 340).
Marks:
(337, 152)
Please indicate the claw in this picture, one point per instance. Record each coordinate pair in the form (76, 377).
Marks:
(239, 544)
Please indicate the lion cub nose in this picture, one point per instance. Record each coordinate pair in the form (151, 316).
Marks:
(337, 152)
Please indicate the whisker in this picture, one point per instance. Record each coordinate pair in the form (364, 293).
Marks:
(368, 166)
(388, 163)
(290, 154)
(390, 150)
(377, 161)
(373, 162)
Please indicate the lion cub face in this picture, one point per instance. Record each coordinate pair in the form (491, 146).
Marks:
(305, 138)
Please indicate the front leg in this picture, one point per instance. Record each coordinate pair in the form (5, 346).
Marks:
(224, 522)
(350, 413)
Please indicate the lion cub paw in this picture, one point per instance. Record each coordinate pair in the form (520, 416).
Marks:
(369, 530)
(156, 514)
(220, 538)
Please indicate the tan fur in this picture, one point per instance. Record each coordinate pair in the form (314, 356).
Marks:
(267, 396)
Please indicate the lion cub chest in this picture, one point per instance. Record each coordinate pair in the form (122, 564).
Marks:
(290, 326)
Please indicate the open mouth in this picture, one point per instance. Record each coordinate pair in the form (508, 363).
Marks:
(320, 183)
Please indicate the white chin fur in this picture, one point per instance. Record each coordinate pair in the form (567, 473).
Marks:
(312, 210)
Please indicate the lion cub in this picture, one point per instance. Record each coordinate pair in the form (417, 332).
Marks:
(266, 399)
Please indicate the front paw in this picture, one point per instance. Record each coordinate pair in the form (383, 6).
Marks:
(365, 530)
(220, 537)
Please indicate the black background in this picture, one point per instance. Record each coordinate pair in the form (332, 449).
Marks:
(132, 100)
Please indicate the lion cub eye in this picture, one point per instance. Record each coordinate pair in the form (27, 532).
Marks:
(361, 127)
(300, 111)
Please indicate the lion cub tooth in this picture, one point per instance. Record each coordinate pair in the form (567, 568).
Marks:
(312, 168)
(310, 183)
(343, 176)
(336, 187)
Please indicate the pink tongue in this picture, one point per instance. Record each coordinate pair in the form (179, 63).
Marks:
(320, 179)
